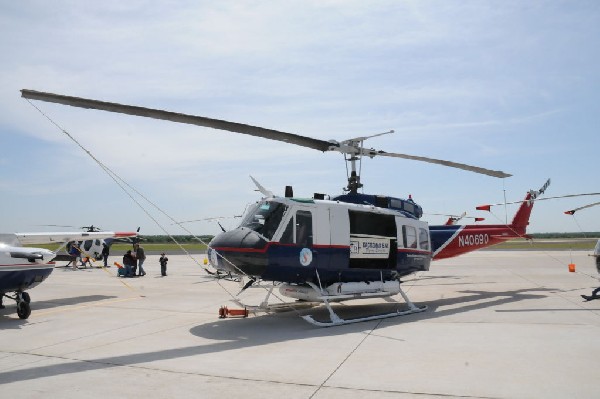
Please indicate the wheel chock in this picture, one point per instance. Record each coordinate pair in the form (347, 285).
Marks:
(224, 312)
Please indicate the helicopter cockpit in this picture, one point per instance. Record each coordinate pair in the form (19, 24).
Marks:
(264, 218)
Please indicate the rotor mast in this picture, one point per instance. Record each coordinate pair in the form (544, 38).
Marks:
(354, 148)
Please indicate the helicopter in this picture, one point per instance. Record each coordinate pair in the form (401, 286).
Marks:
(331, 248)
(91, 249)
(22, 268)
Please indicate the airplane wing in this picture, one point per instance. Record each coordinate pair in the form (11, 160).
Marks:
(48, 238)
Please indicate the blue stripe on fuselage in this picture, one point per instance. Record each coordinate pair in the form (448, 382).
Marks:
(441, 235)
(333, 265)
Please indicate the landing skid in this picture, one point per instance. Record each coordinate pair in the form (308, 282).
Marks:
(336, 320)
(222, 276)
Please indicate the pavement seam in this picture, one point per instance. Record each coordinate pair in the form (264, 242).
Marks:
(345, 359)
(297, 384)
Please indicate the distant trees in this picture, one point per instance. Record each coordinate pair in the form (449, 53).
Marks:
(183, 239)
(593, 234)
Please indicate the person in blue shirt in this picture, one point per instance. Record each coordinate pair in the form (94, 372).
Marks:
(75, 254)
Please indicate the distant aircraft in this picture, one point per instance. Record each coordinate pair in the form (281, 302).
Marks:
(91, 248)
(22, 268)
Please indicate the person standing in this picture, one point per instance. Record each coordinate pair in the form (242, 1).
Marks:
(105, 253)
(75, 254)
(141, 257)
(163, 264)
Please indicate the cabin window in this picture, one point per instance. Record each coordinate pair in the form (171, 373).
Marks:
(372, 224)
(408, 207)
(264, 218)
(304, 235)
(423, 239)
(298, 230)
(395, 203)
(409, 235)
(381, 202)
(288, 234)
(87, 244)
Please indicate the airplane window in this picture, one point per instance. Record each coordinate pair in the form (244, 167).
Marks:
(424, 239)
(264, 218)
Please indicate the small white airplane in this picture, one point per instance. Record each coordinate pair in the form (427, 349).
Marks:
(22, 268)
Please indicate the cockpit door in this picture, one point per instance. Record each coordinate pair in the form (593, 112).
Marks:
(300, 233)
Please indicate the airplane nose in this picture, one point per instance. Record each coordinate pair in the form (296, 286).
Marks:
(239, 251)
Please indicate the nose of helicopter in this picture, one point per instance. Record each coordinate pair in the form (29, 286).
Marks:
(239, 251)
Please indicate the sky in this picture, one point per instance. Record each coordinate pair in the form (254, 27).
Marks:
(505, 85)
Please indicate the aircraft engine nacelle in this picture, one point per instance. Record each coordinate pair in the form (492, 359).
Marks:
(307, 293)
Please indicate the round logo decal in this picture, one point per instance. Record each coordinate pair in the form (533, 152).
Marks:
(306, 257)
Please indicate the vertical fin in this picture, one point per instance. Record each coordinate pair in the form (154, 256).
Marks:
(521, 219)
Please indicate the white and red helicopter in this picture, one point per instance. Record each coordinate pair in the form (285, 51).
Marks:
(330, 249)
(22, 268)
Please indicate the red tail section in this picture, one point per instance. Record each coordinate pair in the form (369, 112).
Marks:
(521, 219)
(452, 240)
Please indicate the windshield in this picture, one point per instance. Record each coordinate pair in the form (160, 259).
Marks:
(264, 218)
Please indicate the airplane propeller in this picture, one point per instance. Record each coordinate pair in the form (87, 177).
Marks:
(353, 148)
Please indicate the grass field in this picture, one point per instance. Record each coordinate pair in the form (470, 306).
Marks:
(575, 244)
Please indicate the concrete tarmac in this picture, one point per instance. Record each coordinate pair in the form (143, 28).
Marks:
(500, 324)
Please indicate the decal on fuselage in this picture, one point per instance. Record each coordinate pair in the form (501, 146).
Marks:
(369, 247)
(473, 240)
(306, 257)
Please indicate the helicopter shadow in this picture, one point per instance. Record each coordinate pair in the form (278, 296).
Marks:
(238, 333)
(232, 334)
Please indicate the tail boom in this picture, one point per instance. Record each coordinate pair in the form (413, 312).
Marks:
(451, 240)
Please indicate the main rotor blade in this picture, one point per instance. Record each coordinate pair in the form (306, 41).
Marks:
(572, 211)
(543, 199)
(476, 169)
(303, 141)
(320, 145)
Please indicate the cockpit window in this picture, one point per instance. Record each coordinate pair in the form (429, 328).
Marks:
(264, 218)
